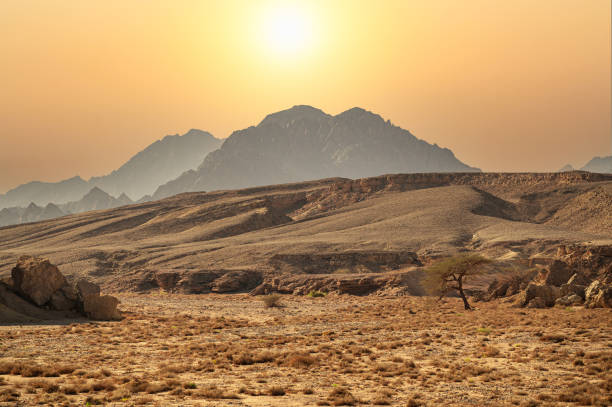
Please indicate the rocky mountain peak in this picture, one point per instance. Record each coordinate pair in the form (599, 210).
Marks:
(293, 114)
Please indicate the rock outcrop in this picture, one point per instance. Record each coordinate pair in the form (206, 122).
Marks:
(37, 290)
(37, 279)
(598, 295)
(396, 283)
(101, 307)
(576, 275)
(538, 296)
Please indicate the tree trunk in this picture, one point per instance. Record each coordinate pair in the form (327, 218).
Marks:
(466, 304)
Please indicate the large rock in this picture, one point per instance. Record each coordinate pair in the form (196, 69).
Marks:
(85, 288)
(17, 309)
(576, 285)
(598, 295)
(36, 279)
(510, 285)
(557, 273)
(571, 299)
(60, 302)
(537, 302)
(101, 307)
(547, 293)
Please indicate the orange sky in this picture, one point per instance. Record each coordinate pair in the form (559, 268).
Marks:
(517, 85)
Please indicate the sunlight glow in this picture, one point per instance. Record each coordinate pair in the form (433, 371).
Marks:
(287, 29)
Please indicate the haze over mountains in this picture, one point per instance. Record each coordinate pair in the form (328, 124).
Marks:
(160, 162)
(305, 143)
(294, 145)
(601, 165)
(94, 200)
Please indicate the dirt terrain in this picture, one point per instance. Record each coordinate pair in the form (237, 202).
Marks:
(231, 350)
(328, 227)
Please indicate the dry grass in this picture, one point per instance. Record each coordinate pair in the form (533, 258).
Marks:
(338, 350)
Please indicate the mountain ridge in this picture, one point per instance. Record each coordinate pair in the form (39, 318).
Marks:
(157, 163)
(304, 143)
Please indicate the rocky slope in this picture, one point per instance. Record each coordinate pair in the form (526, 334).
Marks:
(331, 232)
(160, 162)
(304, 143)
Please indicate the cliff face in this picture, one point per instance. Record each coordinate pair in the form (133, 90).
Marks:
(304, 143)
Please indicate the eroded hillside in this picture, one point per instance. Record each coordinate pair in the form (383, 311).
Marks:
(339, 227)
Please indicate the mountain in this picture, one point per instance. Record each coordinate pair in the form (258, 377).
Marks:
(304, 143)
(160, 162)
(601, 165)
(94, 200)
(567, 168)
(41, 193)
(32, 213)
(157, 164)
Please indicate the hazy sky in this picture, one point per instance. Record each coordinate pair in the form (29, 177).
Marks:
(517, 85)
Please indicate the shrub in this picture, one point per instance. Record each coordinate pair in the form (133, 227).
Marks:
(271, 300)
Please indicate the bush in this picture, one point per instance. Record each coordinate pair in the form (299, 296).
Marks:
(272, 300)
(316, 294)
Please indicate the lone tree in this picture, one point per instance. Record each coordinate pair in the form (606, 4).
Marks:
(451, 274)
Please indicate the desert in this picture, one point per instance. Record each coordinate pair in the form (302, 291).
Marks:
(311, 294)
(286, 203)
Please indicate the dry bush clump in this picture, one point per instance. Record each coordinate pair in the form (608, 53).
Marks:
(271, 300)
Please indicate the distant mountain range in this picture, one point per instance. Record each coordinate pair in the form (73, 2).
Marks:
(157, 164)
(293, 145)
(95, 199)
(304, 143)
(602, 165)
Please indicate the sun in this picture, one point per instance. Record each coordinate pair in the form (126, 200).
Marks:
(287, 29)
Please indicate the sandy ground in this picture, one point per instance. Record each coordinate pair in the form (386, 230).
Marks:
(231, 350)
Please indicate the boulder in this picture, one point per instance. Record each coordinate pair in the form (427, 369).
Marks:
(70, 292)
(547, 293)
(101, 307)
(14, 306)
(60, 302)
(598, 295)
(537, 302)
(575, 285)
(557, 273)
(85, 288)
(571, 299)
(36, 279)
(579, 279)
